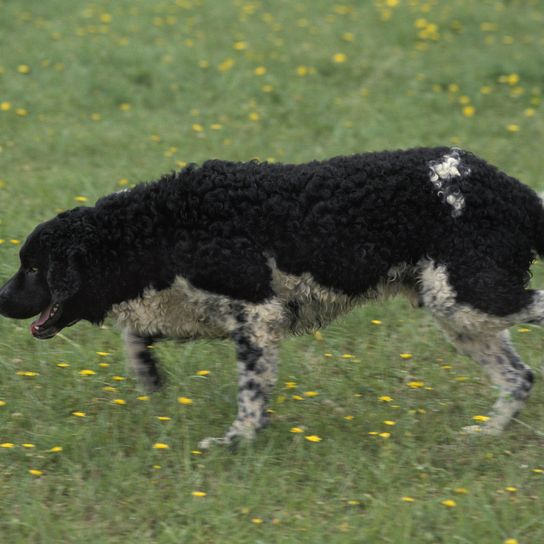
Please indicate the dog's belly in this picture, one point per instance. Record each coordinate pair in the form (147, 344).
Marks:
(181, 312)
(185, 312)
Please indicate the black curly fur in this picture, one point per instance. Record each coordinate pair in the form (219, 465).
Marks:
(346, 221)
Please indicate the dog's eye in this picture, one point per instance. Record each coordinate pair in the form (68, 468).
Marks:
(33, 269)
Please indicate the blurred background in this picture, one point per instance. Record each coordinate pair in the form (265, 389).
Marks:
(99, 95)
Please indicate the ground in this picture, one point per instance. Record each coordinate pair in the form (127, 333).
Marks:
(364, 444)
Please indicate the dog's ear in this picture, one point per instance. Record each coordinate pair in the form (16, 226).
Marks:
(63, 277)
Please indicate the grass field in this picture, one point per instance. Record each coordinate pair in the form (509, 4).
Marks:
(98, 95)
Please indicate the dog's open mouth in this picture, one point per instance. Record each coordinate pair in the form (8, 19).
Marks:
(44, 327)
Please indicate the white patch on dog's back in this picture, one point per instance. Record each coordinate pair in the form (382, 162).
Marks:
(443, 175)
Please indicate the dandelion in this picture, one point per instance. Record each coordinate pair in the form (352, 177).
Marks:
(197, 127)
(164, 418)
(226, 65)
(313, 438)
(125, 106)
(376, 322)
(109, 389)
(3, 402)
(7, 445)
(480, 418)
(143, 397)
(469, 111)
(303, 71)
(23, 69)
(406, 355)
(389, 422)
(87, 372)
(529, 112)
(290, 385)
(28, 446)
(512, 127)
(56, 449)
(198, 494)
(63, 365)
(5, 106)
(240, 45)
(35, 472)
(384, 435)
(408, 499)
(15, 242)
(27, 373)
(118, 378)
(202, 372)
(511, 541)
(260, 71)
(254, 116)
(120, 402)
(416, 384)
(160, 446)
(385, 398)
(339, 58)
(297, 397)
(216, 126)
(538, 471)
(81, 198)
(310, 394)
(95, 117)
(511, 489)
(450, 503)
(296, 430)
(186, 401)
(318, 336)
(106, 353)
(257, 521)
(79, 414)
(21, 112)
(103, 365)
(348, 356)
(348, 418)
(348, 36)
(461, 490)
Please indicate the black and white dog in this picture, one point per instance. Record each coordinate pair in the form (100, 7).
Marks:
(252, 251)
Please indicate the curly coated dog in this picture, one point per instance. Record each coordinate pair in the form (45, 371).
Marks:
(252, 251)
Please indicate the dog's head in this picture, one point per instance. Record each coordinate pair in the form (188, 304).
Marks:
(52, 273)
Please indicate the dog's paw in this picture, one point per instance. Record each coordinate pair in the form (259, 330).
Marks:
(486, 430)
(233, 437)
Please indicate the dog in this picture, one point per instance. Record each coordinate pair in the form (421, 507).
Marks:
(254, 251)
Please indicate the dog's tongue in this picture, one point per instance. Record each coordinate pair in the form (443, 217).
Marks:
(43, 317)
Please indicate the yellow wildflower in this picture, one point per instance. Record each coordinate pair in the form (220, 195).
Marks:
(87, 372)
(296, 430)
(160, 446)
(185, 400)
(79, 414)
(313, 438)
(450, 503)
(35, 472)
(198, 493)
(120, 402)
(339, 58)
(56, 449)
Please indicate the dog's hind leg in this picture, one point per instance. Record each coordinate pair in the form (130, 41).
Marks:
(141, 361)
(484, 338)
(256, 334)
(506, 371)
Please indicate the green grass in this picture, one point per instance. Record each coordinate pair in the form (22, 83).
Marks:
(186, 70)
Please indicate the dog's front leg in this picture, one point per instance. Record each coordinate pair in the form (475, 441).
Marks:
(256, 337)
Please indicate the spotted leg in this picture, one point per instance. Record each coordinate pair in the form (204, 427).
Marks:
(141, 361)
(507, 372)
(484, 337)
(256, 336)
